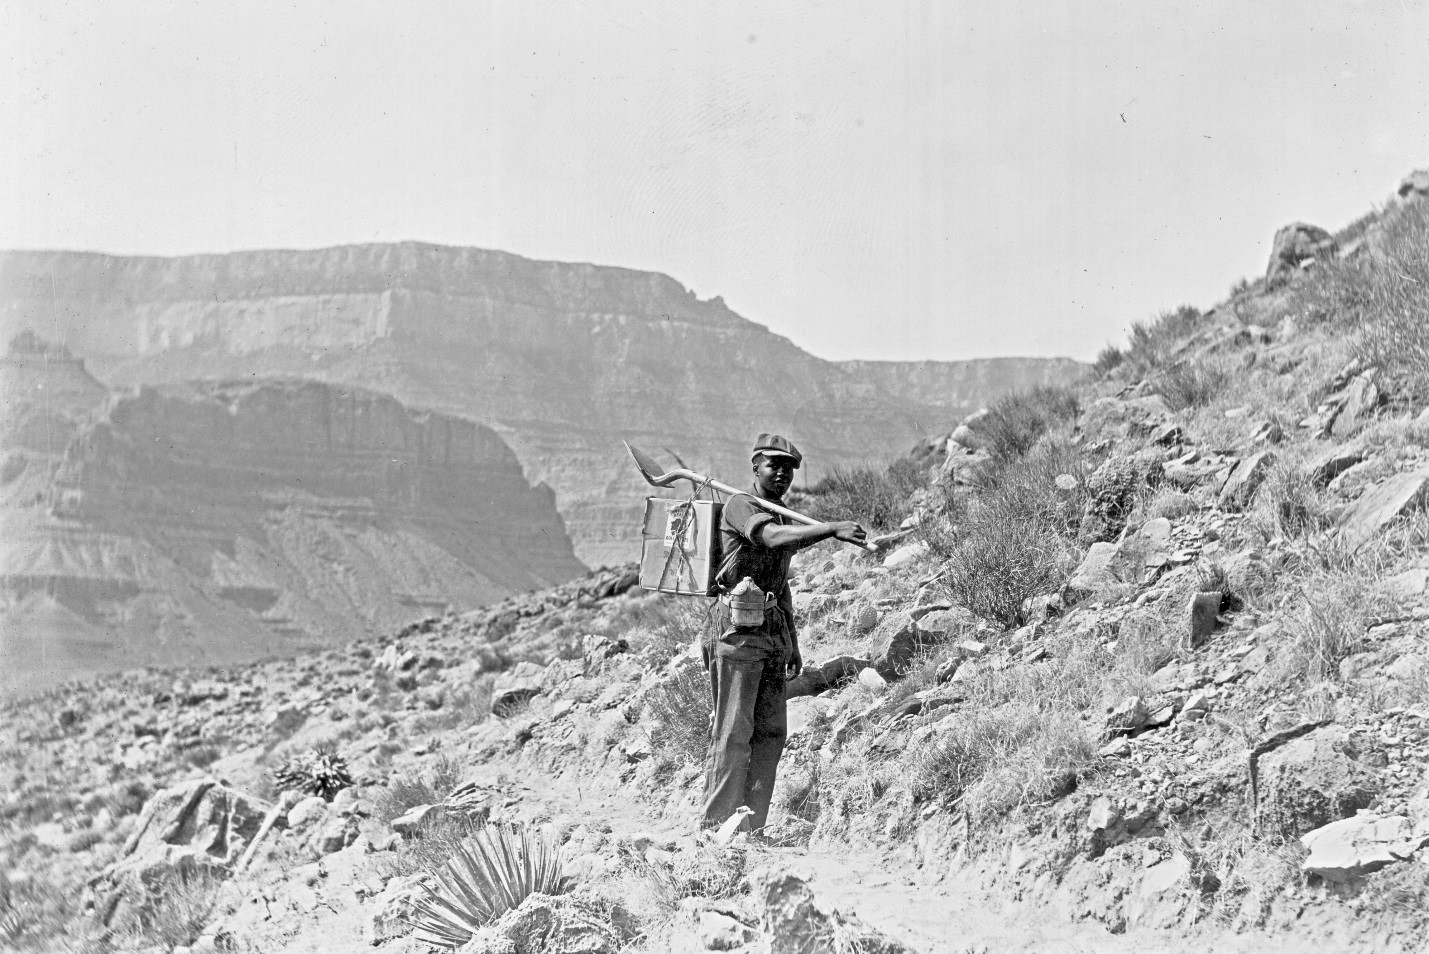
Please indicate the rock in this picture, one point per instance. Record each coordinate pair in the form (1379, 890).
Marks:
(51, 835)
(1366, 518)
(940, 621)
(1361, 399)
(1203, 610)
(550, 924)
(1114, 488)
(1103, 814)
(516, 688)
(411, 822)
(903, 646)
(1169, 435)
(1298, 243)
(1354, 847)
(863, 620)
(794, 923)
(1095, 576)
(335, 834)
(1128, 716)
(200, 817)
(830, 675)
(1245, 480)
(392, 909)
(908, 553)
(870, 678)
(720, 932)
(1414, 186)
(1118, 748)
(1406, 586)
(306, 812)
(1310, 781)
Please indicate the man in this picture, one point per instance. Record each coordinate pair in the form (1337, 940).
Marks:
(748, 665)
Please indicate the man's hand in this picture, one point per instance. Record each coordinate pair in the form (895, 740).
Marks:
(795, 665)
(850, 531)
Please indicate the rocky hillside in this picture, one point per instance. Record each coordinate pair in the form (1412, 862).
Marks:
(563, 360)
(231, 522)
(1146, 669)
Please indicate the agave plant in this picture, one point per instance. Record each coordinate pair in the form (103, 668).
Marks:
(491, 873)
(320, 771)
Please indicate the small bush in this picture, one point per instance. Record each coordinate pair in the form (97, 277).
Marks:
(1017, 421)
(993, 760)
(490, 873)
(1151, 343)
(1188, 384)
(178, 912)
(1108, 360)
(33, 913)
(405, 792)
(1289, 504)
(678, 713)
(877, 499)
(1015, 541)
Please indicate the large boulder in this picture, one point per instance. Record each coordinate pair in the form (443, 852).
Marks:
(1367, 517)
(795, 923)
(197, 830)
(1310, 781)
(1245, 480)
(1354, 847)
(1296, 244)
(1114, 488)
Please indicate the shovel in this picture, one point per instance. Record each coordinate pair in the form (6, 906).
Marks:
(650, 470)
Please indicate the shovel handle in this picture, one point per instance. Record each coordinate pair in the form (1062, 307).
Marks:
(784, 511)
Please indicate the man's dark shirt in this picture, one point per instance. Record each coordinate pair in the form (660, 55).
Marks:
(744, 555)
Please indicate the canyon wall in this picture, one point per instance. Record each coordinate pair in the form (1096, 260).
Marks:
(216, 522)
(562, 360)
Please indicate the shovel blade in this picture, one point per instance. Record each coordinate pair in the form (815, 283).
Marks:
(649, 467)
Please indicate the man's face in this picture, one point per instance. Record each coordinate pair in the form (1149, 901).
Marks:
(774, 475)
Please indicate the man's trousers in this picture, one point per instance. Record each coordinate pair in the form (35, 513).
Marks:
(747, 737)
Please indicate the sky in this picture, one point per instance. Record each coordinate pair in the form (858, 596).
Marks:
(878, 179)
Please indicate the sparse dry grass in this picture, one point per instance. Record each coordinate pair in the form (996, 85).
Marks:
(1191, 383)
(677, 712)
(1151, 343)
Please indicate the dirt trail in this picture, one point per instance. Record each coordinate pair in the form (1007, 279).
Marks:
(943, 918)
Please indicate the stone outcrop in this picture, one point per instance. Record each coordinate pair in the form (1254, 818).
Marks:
(223, 522)
(563, 360)
(1298, 243)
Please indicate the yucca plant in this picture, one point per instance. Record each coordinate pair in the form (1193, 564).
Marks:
(491, 873)
(320, 771)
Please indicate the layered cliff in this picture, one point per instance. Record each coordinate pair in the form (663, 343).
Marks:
(220, 522)
(563, 360)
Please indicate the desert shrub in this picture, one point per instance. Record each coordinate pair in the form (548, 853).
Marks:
(319, 771)
(659, 623)
(879, 499)
(1015, 541)
(798, 795)
(464, 706)
(1289, 504)
(1188, 384)
(678, 713)
(178, 912)
(993, 760)
(1108, 360)
(1324, 622)
(1015, 422)
(491, 872)
(406, 791)
(33, 912)
(1151, 343)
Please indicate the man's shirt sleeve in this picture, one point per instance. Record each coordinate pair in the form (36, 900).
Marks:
(746, 517)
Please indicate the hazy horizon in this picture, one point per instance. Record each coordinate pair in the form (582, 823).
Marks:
(906, 181)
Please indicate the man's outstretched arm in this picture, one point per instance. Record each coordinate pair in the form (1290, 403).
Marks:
(772, 535)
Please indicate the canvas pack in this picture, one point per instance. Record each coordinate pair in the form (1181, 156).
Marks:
(680, 546)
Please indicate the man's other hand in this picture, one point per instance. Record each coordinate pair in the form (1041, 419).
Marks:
(850, 532)
(794, 666)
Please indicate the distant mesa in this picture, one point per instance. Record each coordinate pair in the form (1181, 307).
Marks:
(563, 360)
(217, 522)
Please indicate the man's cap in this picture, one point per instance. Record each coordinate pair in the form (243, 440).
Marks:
(772, 445)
